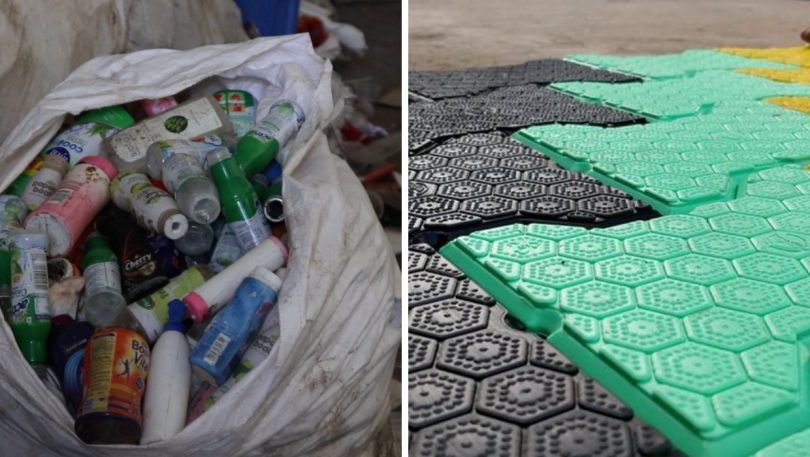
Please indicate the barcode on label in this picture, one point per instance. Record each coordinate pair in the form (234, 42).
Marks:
(41, 275)
(60, 196)
(216, 349)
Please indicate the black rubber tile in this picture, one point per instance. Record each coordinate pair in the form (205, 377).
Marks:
(484, 387)
(438, 85)
(505, 108)
(471, 183)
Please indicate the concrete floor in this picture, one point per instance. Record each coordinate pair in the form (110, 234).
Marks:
(455, 34)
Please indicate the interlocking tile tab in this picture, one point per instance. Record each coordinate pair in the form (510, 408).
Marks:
(501, 181)
(687, 63)
(696, 320)
(439, 85)
(509, 399)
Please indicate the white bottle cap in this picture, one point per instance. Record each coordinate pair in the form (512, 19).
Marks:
(267, 277)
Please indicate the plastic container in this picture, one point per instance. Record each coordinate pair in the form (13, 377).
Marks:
(12, 214)
(155, 106)
(239, 200)
(30, 311)
(194, 118)
(196, 195)
(116, 361)
(42, 185)
(78, 199)
(166, 401)
(66, 345)
(233, 329)
(261, 144)
(240, 108)
(141, 273)
(103, 295)
(197, 240)
(210, 297)
(198, 148)
(82, 139)
(151, 313)
(154, 208)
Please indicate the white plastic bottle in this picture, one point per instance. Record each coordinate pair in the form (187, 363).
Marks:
(196, 195)
(40, 188)
(168, 383)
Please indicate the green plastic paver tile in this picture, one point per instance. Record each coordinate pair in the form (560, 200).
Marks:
(654, 163)
(700, 322)
(665, 66)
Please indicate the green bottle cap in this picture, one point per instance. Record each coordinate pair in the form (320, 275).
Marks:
(114, 116)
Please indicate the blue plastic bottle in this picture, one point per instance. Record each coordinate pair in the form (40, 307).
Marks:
(235, 327)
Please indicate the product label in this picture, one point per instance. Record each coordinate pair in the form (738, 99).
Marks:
(252, 231)
(227, 250)
(197, 148)
(29, 277)
(239, 107)
(60, 197)
(280, 124)
(150, 203)
(124, 187)
(102, 275)
(41, 187)
(189, 121)
(12, 213)
(79, 141)
(158, 302)
(116, 365)
(181, 170)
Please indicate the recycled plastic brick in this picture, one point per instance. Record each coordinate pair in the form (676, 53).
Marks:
(694, 320)
(682, 163)
(484, 180)
(534, 401)
(511, 108)
(799, 55)
(439, 85)
(687, 63)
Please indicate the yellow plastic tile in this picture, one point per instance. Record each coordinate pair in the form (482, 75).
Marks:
(797, 76)
(795, 103)
(799, 55)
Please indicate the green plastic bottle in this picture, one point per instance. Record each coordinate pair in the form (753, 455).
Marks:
(30, 311)
(239, 200)
(270, 196)
(261, 144)
(102, 290)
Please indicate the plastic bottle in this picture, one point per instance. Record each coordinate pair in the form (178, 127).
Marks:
(141, 274)
(30, 312)
(12, 214)
(166, 401)
(240, 108)
(150, 314)
(210, 297)
(77, 200)
(256, 353)
(155, 106)
(194, 118)
(195, 194)
(227, 250)
(197, 240)
(154, 208)
(225, 341)
(239, 200)
(198, 148)
(65, 353)
(270, 196)
(116, 361)
(261, 144)
(82, 139)
(40, 188)
(103, 297)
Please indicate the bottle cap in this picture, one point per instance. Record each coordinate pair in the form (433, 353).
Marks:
(267, 277)
(176, 312)
(273, 172)
(105, 165)
(197, 308)
(281, 247)
(115, 116)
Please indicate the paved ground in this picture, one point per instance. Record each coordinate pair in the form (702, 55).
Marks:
(464, 33)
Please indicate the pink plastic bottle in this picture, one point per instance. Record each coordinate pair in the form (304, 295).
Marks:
(74, 204)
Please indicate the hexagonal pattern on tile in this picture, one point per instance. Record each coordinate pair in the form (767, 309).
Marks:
(643, 330)
(579, 433)
(526, 395)
(421, 352)
(434, 395)
(482, 353)
(594, 397)
(461, 187)
(469, 435)
(726, 329)
(448, 318)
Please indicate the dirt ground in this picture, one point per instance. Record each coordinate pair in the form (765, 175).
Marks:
(452, 34)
